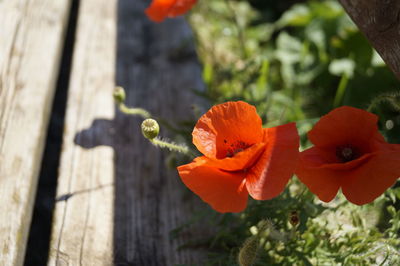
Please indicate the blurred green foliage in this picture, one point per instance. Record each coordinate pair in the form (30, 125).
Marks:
(296, 61)
(299, 67)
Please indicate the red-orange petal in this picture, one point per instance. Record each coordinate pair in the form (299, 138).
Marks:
(372, 179)
(181, 7)
(224, 191)
(158, 9)
(344, 125)
(241, 160)
(224, 125)
(161, 9)
(324, 183)
(269, 176)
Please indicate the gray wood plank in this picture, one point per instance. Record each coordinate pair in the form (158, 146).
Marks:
(117, 202)
(31, 34)
(380, 22)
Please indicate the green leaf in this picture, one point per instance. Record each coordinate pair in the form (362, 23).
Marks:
(289, 48)
(326, 9)
(207, 73)
(298, 15)
(339, 67)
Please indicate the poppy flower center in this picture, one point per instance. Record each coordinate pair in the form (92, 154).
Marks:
(235, 147)
(347, 153)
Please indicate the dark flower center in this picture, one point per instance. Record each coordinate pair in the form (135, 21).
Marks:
(235, 147)
(347, 153)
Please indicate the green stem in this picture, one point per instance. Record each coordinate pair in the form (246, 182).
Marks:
(241, 35)
(171, 146)
(341, 90)
(133, 111)
(150, 127)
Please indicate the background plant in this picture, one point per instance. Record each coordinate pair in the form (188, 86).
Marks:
(296, 61)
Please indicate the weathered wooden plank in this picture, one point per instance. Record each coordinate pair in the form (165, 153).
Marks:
(82, 225)
(116, 201)
(379, 20)
(31, 35)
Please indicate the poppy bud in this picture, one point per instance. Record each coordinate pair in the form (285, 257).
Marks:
(119, 95)
(294, 218)
(150, 128)
(248, 253)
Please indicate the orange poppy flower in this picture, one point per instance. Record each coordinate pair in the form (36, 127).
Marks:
(240, 157)
(349, 153)
(160, 9)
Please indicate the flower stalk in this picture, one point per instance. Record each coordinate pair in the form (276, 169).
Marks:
(150, 127)
(119, 98)
(170, 145)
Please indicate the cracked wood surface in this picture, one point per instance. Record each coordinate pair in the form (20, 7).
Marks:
(32, 36)
(379, 20)
(116, 201)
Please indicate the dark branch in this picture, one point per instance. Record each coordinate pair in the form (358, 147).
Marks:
(379, 20)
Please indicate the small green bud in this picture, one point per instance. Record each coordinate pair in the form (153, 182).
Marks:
(119, 95)
(248, 252)
(150, 128)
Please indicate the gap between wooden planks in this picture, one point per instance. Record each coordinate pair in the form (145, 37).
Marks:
(31, 34)
(117, 202)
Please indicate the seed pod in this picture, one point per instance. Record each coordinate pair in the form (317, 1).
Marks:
(150, 128)
(248, 253)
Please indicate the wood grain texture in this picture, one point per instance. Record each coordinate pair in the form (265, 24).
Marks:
(117, 202)
(31, 34)
(379, 20)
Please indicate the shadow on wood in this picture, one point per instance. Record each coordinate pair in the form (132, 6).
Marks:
(157, 65)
